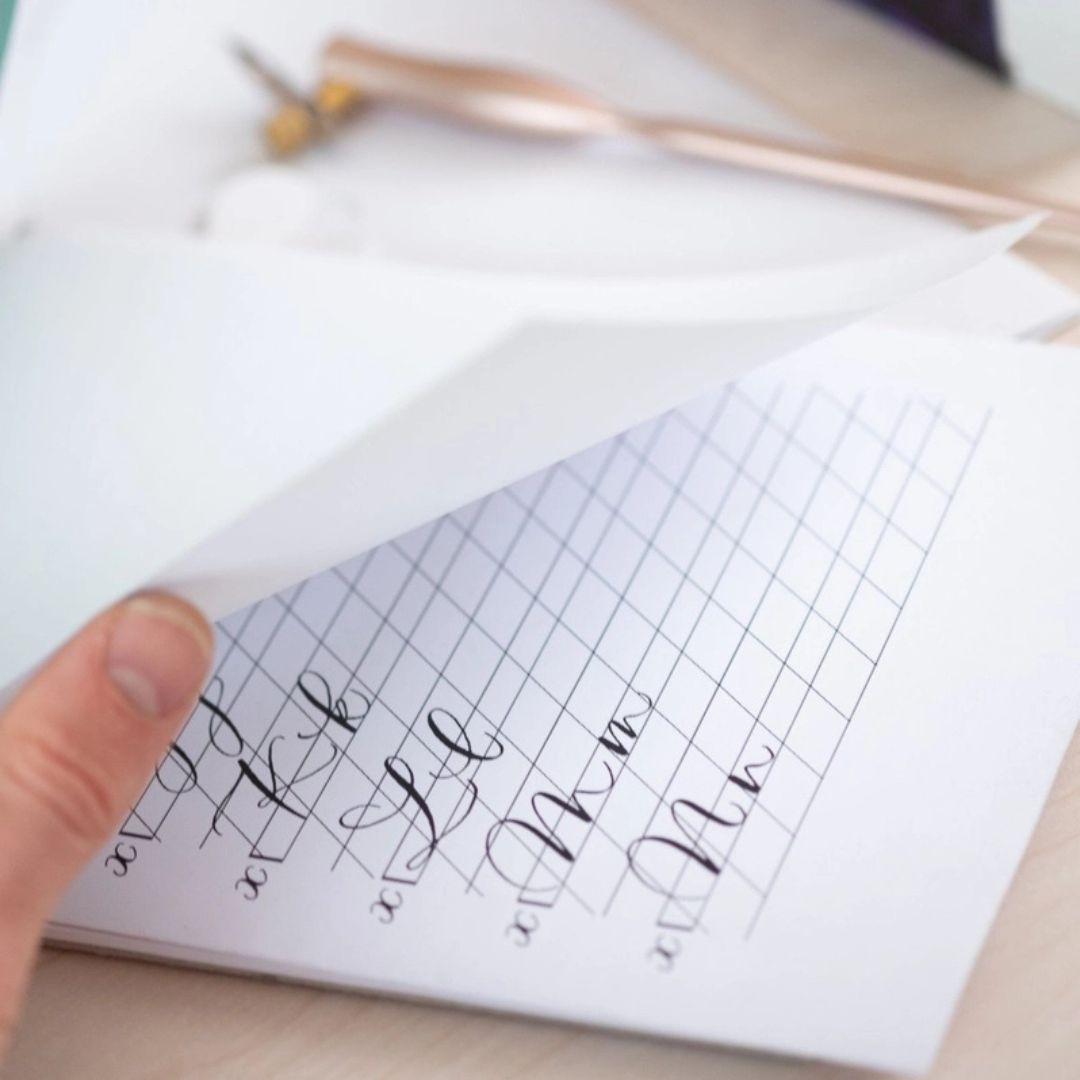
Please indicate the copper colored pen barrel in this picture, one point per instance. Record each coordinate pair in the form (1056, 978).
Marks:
(533, 104)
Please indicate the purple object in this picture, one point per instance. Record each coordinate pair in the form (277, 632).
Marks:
(965, 25)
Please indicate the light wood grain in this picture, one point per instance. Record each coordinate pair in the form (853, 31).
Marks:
(91, 1017)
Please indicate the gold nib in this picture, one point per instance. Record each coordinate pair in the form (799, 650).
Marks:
(300, 121)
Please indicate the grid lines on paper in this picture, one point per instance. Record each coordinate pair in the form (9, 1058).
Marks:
(728, 576)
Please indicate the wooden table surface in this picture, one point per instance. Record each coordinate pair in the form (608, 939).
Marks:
(91, 1017)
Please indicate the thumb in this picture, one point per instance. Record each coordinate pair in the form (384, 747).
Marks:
(76, 746)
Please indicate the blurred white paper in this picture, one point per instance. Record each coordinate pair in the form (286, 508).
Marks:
(133, 115)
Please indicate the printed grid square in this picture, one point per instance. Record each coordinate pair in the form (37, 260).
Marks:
(742, 586)
(646, 502)
(564, 757)
(805, 565)
(440, 552)
(836, 593)
(843, 676)
(473, 662)
(816, 733)
(920, 510)
(763, 843)
(468, 577)
(408, 685)
(597, 696)
(714, 640)
(739, 503)
(319, 602)
(895, 565)
(621, 470)
(768, 533)
(618, 555)
(562, 581)
(561, 501)
(711, 559)
(654, 587)
(657, 751)
(291, 639)
(709, 480)
(888, 483)
(354, 629)
(863, 536)
(503, 689)
(869, 620)
(379, 658)
(831, 510)
(791, 786)
(783, 703)
(684, 613)
(503, 609)
(530, 719)
(560, 663)
(531, 558)
(590, 608)
(497, 524)
(383, 577)
(259, 630)
(531, 635)
(685, 696)
(810, 646)
(724, 730)
(751, 674)
(779, 618)
(438, 631)
(793, 482)
(681, 533)
(625, 641)
(589, 530)
(410, 603)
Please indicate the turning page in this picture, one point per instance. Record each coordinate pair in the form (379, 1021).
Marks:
(732, 728)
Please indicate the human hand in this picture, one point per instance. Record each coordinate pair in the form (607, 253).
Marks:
(76, 745)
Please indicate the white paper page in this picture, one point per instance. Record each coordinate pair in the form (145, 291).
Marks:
(732, 728)
(224, 423)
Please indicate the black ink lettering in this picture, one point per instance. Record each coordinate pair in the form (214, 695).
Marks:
(317, 692)
(620, 726)
(123, 855)
(750, 782)
(521, 930)
(386, 906)
(690, 848)
(249, 886)
(545, 832)
(178, 757)
(663, 953)
(219, 720)
(459, 744)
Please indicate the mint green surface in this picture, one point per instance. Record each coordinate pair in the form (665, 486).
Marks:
(7, 10)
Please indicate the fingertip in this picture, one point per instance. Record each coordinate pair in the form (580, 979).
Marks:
(158, 652)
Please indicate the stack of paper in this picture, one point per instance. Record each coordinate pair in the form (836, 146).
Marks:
(702, 728)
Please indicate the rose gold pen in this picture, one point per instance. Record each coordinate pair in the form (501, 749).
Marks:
(525, 103)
